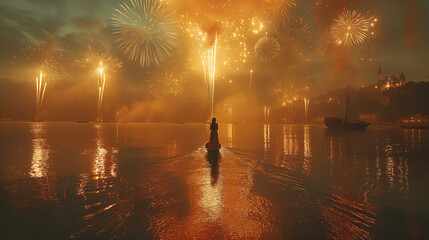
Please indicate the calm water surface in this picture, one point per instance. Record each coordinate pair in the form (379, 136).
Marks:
(139, 181)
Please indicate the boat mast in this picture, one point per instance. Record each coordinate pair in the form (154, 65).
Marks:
(347, 103)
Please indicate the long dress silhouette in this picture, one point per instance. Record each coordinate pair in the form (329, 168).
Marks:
(213, 143)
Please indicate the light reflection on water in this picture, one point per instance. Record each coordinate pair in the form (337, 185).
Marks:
(307, 151)
(39, 165)
(100, 157)
(269, 181)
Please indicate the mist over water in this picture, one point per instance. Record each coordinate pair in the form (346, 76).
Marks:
(134, 181)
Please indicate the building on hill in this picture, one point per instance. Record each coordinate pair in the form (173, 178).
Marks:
(390, 81)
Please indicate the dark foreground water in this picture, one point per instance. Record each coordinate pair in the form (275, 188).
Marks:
(139, 181)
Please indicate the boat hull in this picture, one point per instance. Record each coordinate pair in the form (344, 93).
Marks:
(337, 123)
(212, 149)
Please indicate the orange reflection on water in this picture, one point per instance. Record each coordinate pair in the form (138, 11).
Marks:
(99, 160)
(331, 155)
(266, 137)
(114, 166)
(390, 164)
(101, 168)
(345, 218)
(45, 187)
(41, 150)
(211, 196)
(245, 214)
(172, 149)
(412, 138)
(307, 145)
(290, 147)
(307, 151)
(219, 202)
(230, 135)
(83, 182)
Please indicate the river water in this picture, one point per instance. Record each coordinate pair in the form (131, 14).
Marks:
(143, 181)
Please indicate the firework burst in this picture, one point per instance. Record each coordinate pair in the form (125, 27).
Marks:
(166, 83)
(295, 35)
(41, 61)
(102, 65)
(267, 49)
(287, 91)
(351, 28)
(92, 59)
(145, 31)
(278, 7)
(31, 60)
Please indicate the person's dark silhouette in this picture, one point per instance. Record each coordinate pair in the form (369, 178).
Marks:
(214, 138)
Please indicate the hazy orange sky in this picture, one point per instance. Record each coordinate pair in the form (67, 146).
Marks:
(70, 27)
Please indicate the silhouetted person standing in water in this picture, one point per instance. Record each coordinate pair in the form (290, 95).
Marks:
(214, 138)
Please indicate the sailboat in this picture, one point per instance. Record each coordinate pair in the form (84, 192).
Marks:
(338, 123)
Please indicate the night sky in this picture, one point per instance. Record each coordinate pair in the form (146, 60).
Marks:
(400, 43)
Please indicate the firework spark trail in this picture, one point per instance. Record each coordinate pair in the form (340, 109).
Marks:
(38, 59)
(40, 92)
(214, 71)
(104, 66)
(146, 31)
(101, 83)
(238, 31)
(306, 102)
(351, 28)
(209, 65)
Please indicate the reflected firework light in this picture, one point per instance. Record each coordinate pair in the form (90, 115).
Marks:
(267, 49)
(145, 31)
(351, 28)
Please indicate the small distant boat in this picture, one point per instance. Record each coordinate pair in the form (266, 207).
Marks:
(82, 121)
(338, 123)
(415, 122)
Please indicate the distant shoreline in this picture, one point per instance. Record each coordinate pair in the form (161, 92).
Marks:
(92, 122)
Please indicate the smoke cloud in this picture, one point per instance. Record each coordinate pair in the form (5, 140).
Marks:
(413, 19)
